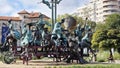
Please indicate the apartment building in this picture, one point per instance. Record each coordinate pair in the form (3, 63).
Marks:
(24, 17)
(98, 10)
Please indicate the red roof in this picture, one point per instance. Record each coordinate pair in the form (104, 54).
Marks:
(46, 16)
(30, 15)
(7, 18)
(34, 15)
(23, 12)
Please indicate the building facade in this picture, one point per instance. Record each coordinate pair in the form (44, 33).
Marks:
(98, 10)
(24, 17)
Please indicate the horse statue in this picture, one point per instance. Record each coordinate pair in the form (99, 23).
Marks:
(78, 33)
(47, 43)
(78, 43)
(86, 43)
(10, 44)
(12, 37)
(27, 36)
(74, 50)
(39, 29)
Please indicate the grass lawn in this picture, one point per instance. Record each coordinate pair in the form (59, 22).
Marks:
(87, 66)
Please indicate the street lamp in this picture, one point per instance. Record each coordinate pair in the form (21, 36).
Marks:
(53, 6)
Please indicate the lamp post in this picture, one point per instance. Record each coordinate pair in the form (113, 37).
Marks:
(94, 8)
(53, 6)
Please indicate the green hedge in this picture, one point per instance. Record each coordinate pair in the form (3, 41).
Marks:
(88, 66)
(103, 55)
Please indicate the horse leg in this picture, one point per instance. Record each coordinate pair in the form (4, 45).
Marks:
(94, 55)
(26, 54)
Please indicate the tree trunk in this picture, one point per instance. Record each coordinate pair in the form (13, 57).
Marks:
(111, 55)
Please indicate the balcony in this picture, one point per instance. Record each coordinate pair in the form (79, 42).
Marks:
(108, 13)
(110, 3)
(108, 0)
(110, 8)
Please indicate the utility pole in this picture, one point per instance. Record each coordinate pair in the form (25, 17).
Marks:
(94, 6)
(53, 6)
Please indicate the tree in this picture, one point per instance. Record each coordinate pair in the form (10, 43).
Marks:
(98, 36)
(106, 39)
(92, 24)
(113, 21)
(100, 26)
(107, 34)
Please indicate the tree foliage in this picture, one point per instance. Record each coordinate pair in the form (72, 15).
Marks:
(98, 36)
(100, 26)
(113, 21)
(106, 39)
(107, 34)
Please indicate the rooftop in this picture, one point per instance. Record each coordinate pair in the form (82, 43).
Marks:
(6, 18)
(29, 15)
(23, 12)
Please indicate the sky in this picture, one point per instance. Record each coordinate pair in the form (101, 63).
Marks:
(12, 7)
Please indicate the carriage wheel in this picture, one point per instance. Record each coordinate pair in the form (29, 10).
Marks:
(8, 58)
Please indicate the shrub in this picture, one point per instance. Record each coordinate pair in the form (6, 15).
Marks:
(102, 56)
(116, 55)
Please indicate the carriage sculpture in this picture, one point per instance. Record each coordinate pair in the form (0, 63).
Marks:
(59, 43)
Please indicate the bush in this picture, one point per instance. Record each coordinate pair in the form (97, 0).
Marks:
(102, 56)
(116, 55)
(88, 66)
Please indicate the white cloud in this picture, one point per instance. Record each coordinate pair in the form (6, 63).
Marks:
(32, 5)
(12, 7)
(69, 6)
(14, 14)
(29, 2)
(5, 7)
(35, 6)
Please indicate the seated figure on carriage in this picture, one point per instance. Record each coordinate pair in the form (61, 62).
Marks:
(40, 27)
(27, 37)
(86, 40)
(78, 33)
(12, 37)
(45, 36)
(58, 33)
(41, 23)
